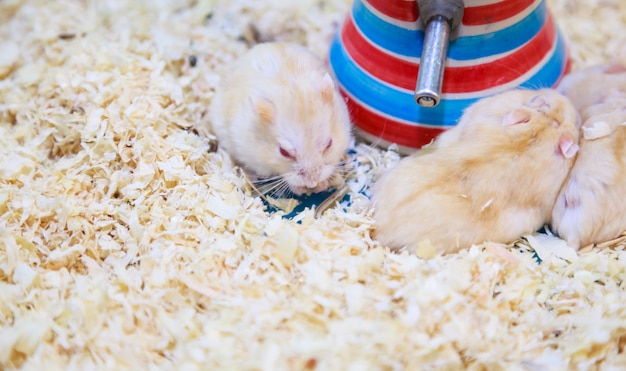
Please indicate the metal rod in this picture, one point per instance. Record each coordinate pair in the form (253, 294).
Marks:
(432, 62)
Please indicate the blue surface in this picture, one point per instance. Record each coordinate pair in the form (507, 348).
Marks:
(306, 201)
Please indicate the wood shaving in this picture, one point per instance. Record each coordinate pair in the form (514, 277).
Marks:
(596, 130)
(547, 247)
(128, 242)
(426, 250)
(486, 205)
(331, 200)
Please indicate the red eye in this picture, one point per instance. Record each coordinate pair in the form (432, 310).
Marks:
(285, 153)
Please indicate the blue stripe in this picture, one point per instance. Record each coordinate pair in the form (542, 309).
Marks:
(408, 43)
(400, 104)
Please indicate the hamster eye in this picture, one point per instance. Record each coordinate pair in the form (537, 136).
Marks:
(328, 145)
(537, 101)
(286, 154)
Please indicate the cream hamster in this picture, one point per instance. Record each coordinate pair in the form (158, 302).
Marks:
(593, 84)
(493, 177)
(278, 113)
(591, 207)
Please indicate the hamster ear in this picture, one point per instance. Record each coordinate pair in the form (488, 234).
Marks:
(328, 88)
(517, 116)
(567, 146)
(614, 68)
(264, 108)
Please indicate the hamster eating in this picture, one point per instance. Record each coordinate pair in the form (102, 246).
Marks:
(493, 177)
(278, 113)
(591, 207)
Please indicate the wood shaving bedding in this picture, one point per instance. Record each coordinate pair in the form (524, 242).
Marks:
(128, 242)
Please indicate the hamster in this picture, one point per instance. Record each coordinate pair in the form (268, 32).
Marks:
(493, 177)
(593, 84)
(279, 115)
(591, 207)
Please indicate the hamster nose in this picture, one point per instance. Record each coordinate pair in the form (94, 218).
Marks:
(310, 183)
(310, 177)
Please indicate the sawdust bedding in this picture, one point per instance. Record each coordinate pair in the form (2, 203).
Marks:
(127, 242)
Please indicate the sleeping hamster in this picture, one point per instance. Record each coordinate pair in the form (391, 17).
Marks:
(493, 177)
(591, 207)
(278, 114)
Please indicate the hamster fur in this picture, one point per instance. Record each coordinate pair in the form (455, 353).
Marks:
(493, 177)
(278, 114)
(591, 207)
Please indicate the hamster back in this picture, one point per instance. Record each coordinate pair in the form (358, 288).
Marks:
(493, 177)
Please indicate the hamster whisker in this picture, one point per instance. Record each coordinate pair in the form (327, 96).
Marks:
(532, 85)
(347, 166)
(379, 139)
(258, 184)
(266, 188)
(283, 190)
(345, 172)
(267, 180)
(274, 186)
(277, 188)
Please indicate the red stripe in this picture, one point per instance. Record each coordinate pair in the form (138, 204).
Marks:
(492, 13)
(402, 10)
(403, 74)
(390, 130)
(407, 11)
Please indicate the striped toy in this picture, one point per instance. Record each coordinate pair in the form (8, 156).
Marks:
(499, 45)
